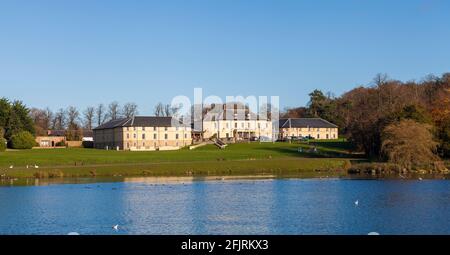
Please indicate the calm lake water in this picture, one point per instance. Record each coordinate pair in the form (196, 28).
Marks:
(269, 206)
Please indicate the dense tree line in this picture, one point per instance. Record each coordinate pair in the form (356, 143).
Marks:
(16, 118)
(74, 121)
(364, 113)
(15, 122)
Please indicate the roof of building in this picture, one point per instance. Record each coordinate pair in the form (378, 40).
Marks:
(139, 121)
(233, 115)
(56, 132)
(62, 132)
(87, 133)
(306, 122)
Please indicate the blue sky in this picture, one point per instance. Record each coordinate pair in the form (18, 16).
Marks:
(60, 53)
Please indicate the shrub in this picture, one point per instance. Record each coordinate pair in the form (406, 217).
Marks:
(2, 144)
(22, 140)
(409, 144)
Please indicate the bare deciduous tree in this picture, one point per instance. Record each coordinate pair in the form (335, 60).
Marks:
(48, 117)
(89, 117)
(380, 79)
(170, 110)
(130, 110)
(100, 114)
(41, 123)
(73, 116)
(114, 110)
(159, 110)
(166, 110)
(59, 121)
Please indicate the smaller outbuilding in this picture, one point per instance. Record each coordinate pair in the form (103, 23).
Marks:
(50, 141)
(316, 128)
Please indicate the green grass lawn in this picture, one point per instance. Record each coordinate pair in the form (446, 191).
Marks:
(242, 158)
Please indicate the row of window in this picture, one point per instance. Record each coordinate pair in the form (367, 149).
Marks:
(155, 136)
(146, 145)
(312, 129)
(154, 128)
(327, 136)
(242, 125)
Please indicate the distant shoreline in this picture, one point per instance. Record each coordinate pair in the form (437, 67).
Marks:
(310, 166)
(245, 159)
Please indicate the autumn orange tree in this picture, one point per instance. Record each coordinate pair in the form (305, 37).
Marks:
(364, 112)
(409, 144)
(440, 111)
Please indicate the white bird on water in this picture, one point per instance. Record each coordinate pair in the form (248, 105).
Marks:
(116, 227)
(36, 166)
(420, 178)
(356, 202)
(11, 166)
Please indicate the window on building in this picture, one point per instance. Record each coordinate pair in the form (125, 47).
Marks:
(128, 136)
(165, 136)
(154, 128)
(165, 128)
(154, 136)
(259, 125)
(143, 128)
(134, 128)
(318, 136)
(134, 136)
(143, 136)
(185, 136)
(235, 125)
(176, 136)
(318, 129)
(327, 136)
